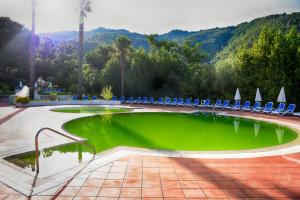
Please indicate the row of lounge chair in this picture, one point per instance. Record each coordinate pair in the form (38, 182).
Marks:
(219, 104)
(85, 98)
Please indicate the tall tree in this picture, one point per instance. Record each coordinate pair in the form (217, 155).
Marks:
(85, 6)
(122, 47)
(32, 50)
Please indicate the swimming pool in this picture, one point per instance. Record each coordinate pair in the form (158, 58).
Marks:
(165, 131)
(178, 131)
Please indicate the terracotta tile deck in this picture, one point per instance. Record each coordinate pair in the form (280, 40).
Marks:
(182, 178)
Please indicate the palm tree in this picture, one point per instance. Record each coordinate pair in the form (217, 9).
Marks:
(122, 46)
(85, 6)
(32, 50)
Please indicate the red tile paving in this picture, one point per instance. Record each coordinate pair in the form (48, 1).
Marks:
(268, 177)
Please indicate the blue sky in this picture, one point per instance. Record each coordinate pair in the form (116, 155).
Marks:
(145, 16)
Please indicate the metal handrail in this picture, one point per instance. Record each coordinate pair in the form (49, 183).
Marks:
(59, 133)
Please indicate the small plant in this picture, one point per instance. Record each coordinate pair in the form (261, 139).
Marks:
(107, 93)
(22, 100)
(53, 96)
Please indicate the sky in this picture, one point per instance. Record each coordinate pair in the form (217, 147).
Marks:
(144, 16)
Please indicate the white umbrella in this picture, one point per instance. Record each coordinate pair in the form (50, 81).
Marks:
(280, 134)
(24, 92)
(20, 84)
(50, 85)
(258, 96)
(256, 129)
(237, 96)
(281, 96)
(236, 125)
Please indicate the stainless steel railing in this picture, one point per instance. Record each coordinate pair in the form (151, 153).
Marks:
(59, 133)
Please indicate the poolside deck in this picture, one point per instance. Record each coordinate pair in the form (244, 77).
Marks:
(148, 177)
(155, 177)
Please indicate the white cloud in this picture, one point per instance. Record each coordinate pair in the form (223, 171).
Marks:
(145, 16)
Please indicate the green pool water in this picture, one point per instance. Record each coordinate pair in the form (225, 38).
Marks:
(91, 109)
(178, 131)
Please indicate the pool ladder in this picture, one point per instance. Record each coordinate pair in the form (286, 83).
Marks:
(58, 133)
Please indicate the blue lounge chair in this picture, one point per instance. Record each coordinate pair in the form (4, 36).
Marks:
(151, 100)
(94, 98)
(188, 102)
(218, 104)
(180, 102)
(138, 100)
(145, 100)
(280, 109)
(256, 107)
(206, 103)
(74, 97)
(160, 101)
(236, 105)
(85, 98)
(268, 107)
(122, 99)
(226, 104)
(114, 98)
(196, 102)
(174, 102)
(129, 100)
(167, 101)
(246, 106)
(290, 110)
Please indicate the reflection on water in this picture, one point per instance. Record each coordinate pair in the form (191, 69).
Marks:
(280, 134)
(107, 117)
(53, 160)
(236, 124)
(256, 129)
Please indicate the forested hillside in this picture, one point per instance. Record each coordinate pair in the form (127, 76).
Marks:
(263, 53)
(220, 41)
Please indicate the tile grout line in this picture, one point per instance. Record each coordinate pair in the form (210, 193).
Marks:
(104, 178)
(123, 180)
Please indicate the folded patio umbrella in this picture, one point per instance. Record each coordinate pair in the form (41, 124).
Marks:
(20, 84)
(237, 96)
(281, 97)
(258, 96)
(50, 85)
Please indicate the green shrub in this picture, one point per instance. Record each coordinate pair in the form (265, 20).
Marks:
(107, 93)
(53, 96)
(22, 100)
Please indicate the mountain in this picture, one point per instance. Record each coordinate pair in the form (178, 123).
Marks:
(218, 43)
(245, 33)
(213, 40)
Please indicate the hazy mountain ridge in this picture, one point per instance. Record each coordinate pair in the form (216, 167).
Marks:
(215, 41)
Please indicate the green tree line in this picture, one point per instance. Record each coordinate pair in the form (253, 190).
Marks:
(270, 61)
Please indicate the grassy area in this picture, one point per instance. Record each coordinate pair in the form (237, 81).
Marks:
(91, 109)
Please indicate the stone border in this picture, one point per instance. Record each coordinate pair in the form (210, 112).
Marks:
(247, 153)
